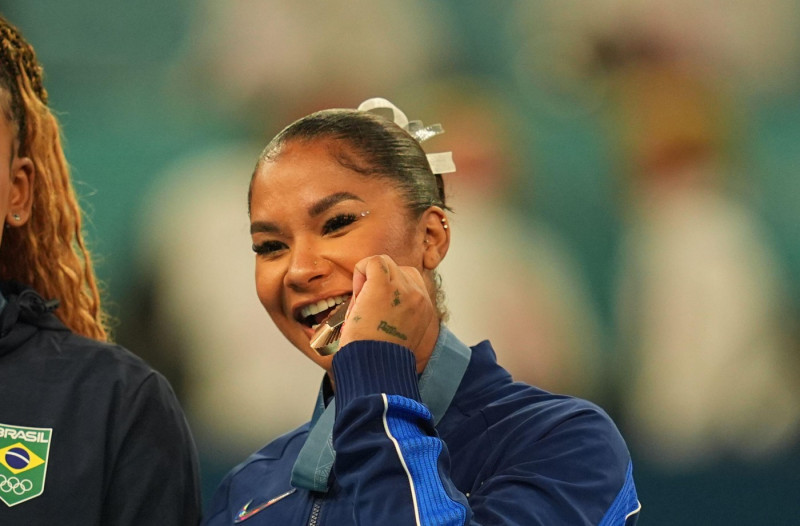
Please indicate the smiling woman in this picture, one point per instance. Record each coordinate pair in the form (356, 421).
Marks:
(411, 426)
(309, 234)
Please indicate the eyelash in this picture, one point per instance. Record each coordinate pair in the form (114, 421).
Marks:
(269, 248)
(338, 222)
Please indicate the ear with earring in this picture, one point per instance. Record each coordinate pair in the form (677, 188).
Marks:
(15, 218)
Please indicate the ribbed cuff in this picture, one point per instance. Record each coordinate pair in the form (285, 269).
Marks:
(369, 367)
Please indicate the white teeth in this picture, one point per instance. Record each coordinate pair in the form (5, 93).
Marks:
(321, 305)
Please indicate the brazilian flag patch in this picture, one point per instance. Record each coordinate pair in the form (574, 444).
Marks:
(23, 462)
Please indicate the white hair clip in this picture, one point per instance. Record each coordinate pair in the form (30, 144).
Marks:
(441, 163)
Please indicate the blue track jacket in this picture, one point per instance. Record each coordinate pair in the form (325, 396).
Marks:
(462, 444)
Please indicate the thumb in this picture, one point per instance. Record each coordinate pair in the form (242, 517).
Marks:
(359, 277)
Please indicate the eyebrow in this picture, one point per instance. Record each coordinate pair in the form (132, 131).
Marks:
(328, 202)
(320, 207)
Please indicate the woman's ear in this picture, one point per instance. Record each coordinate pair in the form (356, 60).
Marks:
(20, 199)
(437, 237)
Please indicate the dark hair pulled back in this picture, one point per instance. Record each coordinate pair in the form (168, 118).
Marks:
(372, 146)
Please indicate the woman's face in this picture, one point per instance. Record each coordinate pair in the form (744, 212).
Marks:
(311, 221)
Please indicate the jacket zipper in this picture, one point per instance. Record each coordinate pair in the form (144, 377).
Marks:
(315, 509)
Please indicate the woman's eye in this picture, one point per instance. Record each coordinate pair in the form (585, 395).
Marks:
(268, 248)
(338, 222)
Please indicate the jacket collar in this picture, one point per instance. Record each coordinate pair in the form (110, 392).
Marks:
(437, 386)
(24, 312)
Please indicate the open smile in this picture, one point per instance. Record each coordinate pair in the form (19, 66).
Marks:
(313, 314)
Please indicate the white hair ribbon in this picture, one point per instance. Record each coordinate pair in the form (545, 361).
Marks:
(440, 163)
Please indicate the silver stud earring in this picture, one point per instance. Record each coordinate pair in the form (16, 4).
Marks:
(444, 223)
(17, 217)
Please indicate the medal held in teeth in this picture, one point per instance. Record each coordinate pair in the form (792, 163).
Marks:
(326, 338)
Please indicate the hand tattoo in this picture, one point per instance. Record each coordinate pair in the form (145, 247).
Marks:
(390, 329)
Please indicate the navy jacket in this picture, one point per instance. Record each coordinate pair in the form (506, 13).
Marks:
(462, 444)
(89, 433)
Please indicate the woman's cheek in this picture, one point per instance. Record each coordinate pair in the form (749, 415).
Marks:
(266, 289)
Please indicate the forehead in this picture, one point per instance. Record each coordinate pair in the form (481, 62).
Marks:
(306, 171)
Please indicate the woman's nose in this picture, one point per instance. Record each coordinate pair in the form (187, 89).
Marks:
(305, 267)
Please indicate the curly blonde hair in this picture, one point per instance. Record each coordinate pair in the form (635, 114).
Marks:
(48, 252)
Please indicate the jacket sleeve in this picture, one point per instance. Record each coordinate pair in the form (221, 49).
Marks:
(154, 477)
(389, 456)
(387, 452)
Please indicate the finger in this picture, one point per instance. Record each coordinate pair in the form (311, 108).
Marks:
(371, 267)
(414, 276)
(359, 278)
(363, 270)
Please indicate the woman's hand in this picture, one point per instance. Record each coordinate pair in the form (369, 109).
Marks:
(391, 303)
